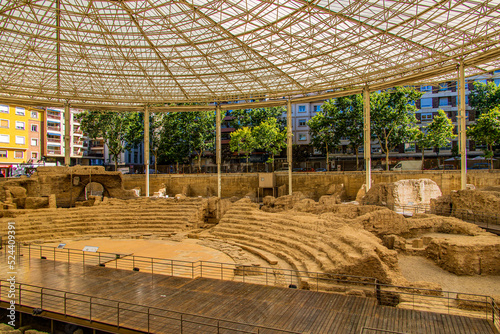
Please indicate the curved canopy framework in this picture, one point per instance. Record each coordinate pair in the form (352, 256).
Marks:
(131, 53)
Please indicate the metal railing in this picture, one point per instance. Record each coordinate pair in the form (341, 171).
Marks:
(370, 330)
(448, 302)
(487, 220)
(204, 269)
(122, 314)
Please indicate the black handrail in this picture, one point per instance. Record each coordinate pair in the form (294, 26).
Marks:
(122, 306)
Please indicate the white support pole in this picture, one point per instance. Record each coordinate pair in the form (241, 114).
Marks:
(367, 134)
(462, 128)
(146, 147)
(218, 149)
(289, 136)
(67, 135)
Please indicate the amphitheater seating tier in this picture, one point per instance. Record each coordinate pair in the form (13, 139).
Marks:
(116, 217)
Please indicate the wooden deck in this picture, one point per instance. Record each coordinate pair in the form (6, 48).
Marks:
(288, 309)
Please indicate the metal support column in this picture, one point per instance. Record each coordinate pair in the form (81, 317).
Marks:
(146, 147)
(67, 135)
(367, 137)
(462, 127)
(218, 149)
(289, 143)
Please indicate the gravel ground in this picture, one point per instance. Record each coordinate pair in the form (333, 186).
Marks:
(417, 268)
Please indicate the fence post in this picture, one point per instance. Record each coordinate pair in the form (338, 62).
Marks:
(41, 298)
(118, 316)
(148, 321)
(65, 302)
(172, 267)
(377, 292)
(90, 309)
(181, 323)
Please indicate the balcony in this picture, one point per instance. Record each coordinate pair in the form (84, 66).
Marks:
(52, 116)
(54, 152)
(54, 140)
(78, 153)
(54, 128)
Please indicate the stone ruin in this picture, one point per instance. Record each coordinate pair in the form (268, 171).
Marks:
(52, 187)
(403, 193)
(328, 236)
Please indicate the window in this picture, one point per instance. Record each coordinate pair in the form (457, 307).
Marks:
(3, 153)
(443, 101)
(20, 140)
(4, 123)
(426, 117)
(302, 108)
(19, 125)
(34, 142)
(20, 111)
(466, 99)
(409, 147)
(34, 114)
(302, 122)
(302, 136)
(481, 81)
(426, 88)
(426, 103)
(443, 87)
(34, 127)
(4, 139)
(317, 108)
(497, 82)
(4, 108)
(34, 155)
(18, 154)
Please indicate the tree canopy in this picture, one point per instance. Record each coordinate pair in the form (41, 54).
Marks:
(486, 130)
(484, 97)
(393, 118)
(325, 129)
(111, 126)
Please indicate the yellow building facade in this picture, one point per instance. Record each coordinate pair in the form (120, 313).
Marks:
(20, 137)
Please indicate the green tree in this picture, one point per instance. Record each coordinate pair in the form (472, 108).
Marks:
(393, 118)
(484, 97)
(269, 138)
(487, 131)
(324, 129)
(111, 126)
(440, 131)
(202, 133)
(254, 117)
(351, 121)
(242, 140)
(423, 142)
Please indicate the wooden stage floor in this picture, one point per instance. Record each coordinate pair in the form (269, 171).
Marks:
(289, 309)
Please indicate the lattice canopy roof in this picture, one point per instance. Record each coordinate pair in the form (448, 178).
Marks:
(154, 51)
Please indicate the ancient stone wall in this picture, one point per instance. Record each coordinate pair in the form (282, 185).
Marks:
(313, 185)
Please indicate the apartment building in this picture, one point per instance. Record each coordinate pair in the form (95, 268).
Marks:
(54, 132)
(21, 137)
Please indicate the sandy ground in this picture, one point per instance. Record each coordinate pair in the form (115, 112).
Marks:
(187, 250)
(418, 268)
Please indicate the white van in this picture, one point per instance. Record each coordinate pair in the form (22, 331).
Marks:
(408, 165)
